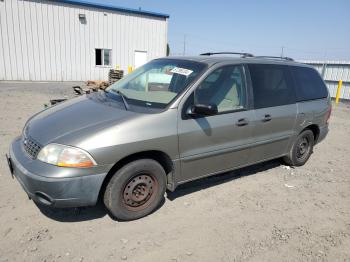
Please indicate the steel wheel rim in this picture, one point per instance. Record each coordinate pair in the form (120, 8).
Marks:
(303, 148)
(140, 191)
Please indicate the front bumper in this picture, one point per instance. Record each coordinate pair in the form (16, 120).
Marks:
(55, 186)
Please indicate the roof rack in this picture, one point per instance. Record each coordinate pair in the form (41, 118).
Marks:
(229, 53)
(275, 57)
(244, 55)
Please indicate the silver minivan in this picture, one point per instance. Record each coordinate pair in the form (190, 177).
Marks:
(171, 121)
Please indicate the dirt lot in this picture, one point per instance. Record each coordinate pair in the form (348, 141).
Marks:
(263, 213)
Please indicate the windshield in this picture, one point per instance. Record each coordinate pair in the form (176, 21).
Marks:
(157, 83)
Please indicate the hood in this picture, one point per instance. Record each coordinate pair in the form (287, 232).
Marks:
(84, 115)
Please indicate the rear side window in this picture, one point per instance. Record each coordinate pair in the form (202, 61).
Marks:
(272, 85)
(309, 84)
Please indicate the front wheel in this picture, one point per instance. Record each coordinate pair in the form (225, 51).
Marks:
(301, 149)
(135, 190)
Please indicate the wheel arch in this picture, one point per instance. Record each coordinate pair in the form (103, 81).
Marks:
(315, 130)
(162, 158)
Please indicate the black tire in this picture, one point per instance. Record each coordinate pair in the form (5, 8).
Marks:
(135, 190)
(301, 149)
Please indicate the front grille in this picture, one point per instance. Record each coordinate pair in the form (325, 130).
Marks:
(31, 147)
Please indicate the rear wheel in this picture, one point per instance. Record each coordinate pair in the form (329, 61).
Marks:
(135, 190)
(301, 149)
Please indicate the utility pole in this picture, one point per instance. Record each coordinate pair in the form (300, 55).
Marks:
(184, 52)
(324, 66)
(282, 51)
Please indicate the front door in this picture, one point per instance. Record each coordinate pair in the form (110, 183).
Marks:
(216, 143)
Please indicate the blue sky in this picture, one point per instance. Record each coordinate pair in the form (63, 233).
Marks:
(307, 29)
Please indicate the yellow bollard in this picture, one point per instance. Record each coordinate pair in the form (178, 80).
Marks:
(338, 92)
(129, 69)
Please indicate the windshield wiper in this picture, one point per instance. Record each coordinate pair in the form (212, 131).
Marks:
(124, 99)
(122, 96)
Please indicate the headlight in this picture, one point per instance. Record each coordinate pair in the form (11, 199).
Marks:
(65, 156)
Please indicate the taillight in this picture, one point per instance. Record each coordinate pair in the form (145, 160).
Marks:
(328, 115)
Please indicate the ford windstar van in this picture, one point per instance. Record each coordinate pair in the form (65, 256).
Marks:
(171, 121)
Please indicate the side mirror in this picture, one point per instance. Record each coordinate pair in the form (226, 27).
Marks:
(202, 110)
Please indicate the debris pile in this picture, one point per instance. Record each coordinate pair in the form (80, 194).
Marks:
(93, 86)
(97, 84)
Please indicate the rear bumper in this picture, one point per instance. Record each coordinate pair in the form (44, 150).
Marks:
(81, 190)
(323, 133)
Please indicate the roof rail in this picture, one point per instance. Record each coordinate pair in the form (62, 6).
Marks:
(275, 57)
(229, 53)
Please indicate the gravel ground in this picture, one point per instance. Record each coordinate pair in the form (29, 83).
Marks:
(267, 212)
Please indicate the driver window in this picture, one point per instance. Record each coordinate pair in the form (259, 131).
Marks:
(224, 87)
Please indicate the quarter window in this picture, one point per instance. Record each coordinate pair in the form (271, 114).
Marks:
(272, 85)
(224, 87)
(103, 57)
(309, 84)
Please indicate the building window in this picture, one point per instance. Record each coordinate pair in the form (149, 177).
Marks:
(103, 57)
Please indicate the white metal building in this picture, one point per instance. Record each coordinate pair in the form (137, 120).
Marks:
(75, 40)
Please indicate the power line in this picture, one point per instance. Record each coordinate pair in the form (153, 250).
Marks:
(197, 39)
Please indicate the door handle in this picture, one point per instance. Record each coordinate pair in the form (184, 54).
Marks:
(242, 122)
(267, 118)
